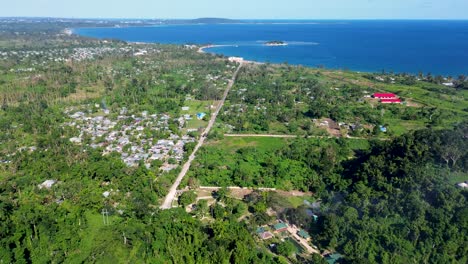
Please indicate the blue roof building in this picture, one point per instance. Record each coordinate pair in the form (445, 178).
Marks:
(201, 115)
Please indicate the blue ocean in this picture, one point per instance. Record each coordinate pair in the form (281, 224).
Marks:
(413, 46)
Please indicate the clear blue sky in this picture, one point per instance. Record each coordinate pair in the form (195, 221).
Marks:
(276, 9)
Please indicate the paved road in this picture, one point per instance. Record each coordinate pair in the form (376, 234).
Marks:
(173, 190)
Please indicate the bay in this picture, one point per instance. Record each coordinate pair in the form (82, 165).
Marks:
(412, 46)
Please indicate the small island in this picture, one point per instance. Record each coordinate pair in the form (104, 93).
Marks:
(276, 43)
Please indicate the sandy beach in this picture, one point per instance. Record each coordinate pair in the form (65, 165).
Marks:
(202, 50)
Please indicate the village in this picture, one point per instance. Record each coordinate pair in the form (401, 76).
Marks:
(137, 138)
(42, 57)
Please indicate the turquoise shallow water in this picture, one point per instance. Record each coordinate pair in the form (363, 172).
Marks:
(437, 47)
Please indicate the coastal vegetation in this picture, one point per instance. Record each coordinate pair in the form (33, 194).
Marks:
(313, 137)
(276, 43)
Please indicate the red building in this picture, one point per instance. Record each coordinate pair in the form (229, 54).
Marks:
(384, 95)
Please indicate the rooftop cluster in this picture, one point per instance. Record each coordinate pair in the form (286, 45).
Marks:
(42, 56)
(138, 138)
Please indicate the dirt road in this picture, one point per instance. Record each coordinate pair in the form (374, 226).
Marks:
(260, 135)
(295, 136)
(293, 231)
(173, 190)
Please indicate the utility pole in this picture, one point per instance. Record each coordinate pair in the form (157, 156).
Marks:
(105, 216)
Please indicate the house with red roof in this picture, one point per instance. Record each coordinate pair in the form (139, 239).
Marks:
(384, 95)
(263, 234)
(387, 98)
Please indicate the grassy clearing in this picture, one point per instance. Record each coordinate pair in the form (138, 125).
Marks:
(457, 177)
(400, 127)
(263, 144)
(278, 128)
(97, 242)
(422, 93)
(94, 226)
(84, 94)
(196, 124)
(358, 144)
(232, 144)
(432, 95)
(299, 248)
(297, 201)
(196, 106)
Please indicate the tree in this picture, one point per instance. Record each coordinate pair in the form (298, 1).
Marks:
(187, 198)
(222, 194)
(217, 211)
(286, 248)
(193, 183)
(202, 208)
(317, 259)
(298, 216)
(239, 209)
(453, 147)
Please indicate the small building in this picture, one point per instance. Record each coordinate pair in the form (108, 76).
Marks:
(384, 95)
(390, 101)
(46, 184)
(260, 230)
(236, 59)
(310, 212)
(280, 227)
(263, 234)
(75, 140)
(200, 115)
(266, 235)
(302, 233)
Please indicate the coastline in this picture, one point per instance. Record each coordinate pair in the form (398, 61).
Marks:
(201, 49)
(326, 59)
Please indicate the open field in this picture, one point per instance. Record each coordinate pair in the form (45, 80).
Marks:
(265, 161)
(265, 143)
(232, 144)
(457, 177)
